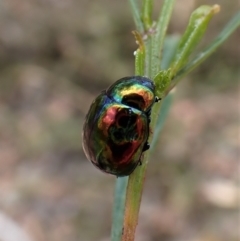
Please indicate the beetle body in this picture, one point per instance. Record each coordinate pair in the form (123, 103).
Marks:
(116, 128)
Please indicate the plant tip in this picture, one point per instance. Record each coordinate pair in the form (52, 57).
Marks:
(216, 8)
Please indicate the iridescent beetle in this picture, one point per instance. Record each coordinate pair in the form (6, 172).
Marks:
(116, 129)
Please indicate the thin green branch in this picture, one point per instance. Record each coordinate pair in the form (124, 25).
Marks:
(136, 179)
(136, 16)
(145, 63)
(148, 61)
(166, 104)
(197, 26)
(121, 183)
(226, 32)
(147, 13)
(139, 54)
(118, 209)
(133, 200)
(159, 36)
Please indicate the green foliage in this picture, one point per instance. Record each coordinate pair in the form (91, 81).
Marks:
(162, 81)
(149, 61)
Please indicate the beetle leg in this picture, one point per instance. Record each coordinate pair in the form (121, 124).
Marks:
(148, 114)
(157, 99)
(146, 146)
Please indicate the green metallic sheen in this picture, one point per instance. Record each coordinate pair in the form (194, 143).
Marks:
(115, 137)
(116, 128)
(135, 91)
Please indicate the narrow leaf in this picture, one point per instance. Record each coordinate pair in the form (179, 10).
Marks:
(161, 29)
(136, 15)
(198, 23)
(226, 32)
(118, 209)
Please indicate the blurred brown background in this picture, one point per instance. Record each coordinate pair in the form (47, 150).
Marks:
(55, 56)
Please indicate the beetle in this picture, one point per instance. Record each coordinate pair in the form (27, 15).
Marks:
(116, 128)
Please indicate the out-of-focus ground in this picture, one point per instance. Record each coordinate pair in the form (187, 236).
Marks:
(55, 56)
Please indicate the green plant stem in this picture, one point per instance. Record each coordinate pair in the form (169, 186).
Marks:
(146, 64)
(147, 13)
(148, 59)
(121, 183)
(136, 179)
(119, 207)
(160, 33)
(139, 54)
(136, 15)
(161, 118)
